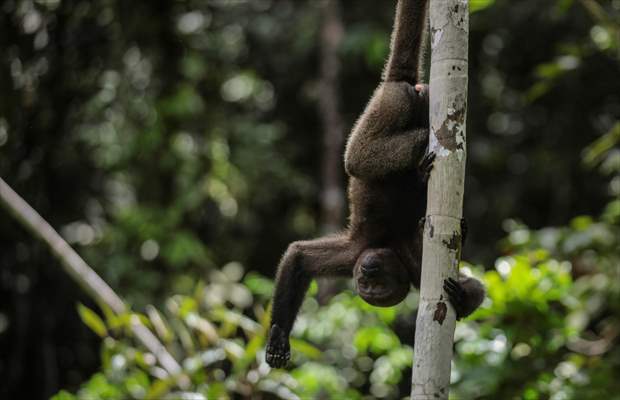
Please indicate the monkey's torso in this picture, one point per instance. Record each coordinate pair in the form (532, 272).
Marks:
(386, 212)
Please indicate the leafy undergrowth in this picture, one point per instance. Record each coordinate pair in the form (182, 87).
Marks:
(548, 329)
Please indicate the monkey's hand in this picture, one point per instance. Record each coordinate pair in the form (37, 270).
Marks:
(426, 166)
(278, 348)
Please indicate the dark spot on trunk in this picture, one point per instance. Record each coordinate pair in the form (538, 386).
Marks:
(440, 312)
(431, 229)
(453, 243)
(446, 137)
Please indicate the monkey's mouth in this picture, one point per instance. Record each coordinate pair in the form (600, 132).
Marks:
(373, 288)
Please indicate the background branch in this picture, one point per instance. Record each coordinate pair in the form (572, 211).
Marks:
(81, 272)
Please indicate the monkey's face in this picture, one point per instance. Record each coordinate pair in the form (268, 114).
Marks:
(381, 278)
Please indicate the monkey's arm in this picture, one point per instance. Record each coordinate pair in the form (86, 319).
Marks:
(375, 156)
(331, 256)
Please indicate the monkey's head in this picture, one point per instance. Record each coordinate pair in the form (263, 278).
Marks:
(380, 277)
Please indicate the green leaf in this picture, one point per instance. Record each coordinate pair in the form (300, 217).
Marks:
(258, 284)
(111, 319)
(581, 223)
(217, 390)
(477, 5)
(63, 395)
(375, 339)
(160, 388)
(92, 320)
(596, 151)
(305, 348)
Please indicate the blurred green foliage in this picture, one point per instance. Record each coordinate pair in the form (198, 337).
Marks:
(545, 331)
(176, 145)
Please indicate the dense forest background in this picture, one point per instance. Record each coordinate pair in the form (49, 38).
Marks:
(180, 145)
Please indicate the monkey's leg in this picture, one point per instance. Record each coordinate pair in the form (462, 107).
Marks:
(332, 256)
(465, 295)
(381, 154)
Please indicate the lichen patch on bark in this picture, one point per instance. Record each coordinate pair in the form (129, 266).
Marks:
(436, 35)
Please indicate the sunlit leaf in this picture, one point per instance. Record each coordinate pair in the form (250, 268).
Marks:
(92, 320)
(258, 284)
(477, 5)
(305, 348)
(63, 395)
(159, 389)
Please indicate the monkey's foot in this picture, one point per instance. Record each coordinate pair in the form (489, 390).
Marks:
(426, 166)
(456, 296)
(464, 230)
(278, 348)
(421, 223)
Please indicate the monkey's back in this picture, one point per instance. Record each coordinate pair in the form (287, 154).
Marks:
(386, 211)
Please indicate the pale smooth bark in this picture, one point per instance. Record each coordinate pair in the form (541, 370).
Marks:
(449, 29)
(83, 274)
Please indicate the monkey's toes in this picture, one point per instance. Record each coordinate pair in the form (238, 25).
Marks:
(464, 229)
(456, 295)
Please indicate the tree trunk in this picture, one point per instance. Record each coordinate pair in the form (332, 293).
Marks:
(332, 193)
(449, 28)
(332, 196)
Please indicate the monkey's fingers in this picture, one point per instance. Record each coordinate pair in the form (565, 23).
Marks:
(278, 350)
(427, 161)
(426, 166)
(277, 359)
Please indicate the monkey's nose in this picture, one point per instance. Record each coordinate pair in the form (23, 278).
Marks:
(371, 268)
